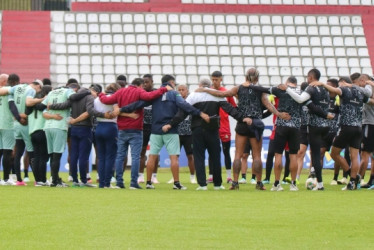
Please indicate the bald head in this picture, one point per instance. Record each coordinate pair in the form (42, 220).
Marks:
(3, 79)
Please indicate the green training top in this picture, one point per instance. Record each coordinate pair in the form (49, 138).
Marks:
(6, 120)
(19, 93)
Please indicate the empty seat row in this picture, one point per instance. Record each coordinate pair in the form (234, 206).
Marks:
(172, 18)
(288, 2)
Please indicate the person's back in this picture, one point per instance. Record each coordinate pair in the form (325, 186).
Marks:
(352, 100)
(249, 102)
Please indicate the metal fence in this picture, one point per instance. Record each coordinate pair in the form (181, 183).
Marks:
(35, 4)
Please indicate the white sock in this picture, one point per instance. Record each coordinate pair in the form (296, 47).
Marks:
(154, 175)
(210, 176)
(297, 177)
(88, 175)
(312, 169)
(141, 174)
(228, 173)
(192, 176)
(320, 185)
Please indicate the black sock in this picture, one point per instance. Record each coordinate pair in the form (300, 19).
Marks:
(336, 177)
(177, 183)
(149, 182)
(293, 183)
(352, 179)
(26, 171)
(244, 176)
(347, 173)
(253, 176)
(370, 182)
(276, 183)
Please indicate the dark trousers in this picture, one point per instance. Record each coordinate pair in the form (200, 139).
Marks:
(315, 136)
(106, 136)
(270, 159)
(20, 149)
(204, 139)
(55, 167)
(39, 142)
(7, 162)
(226, 153)
(81, 144)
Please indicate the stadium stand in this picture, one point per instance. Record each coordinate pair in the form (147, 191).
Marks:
(94, 47)
(276, 2)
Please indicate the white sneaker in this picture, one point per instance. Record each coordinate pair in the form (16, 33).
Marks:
(13, 177)
(243, 181)
(70, 178)
(26, 179)
(193, 180)
(141, 179)
(200, 188)
(277, 188)
(253, 182)
(343, 181)
(362, 182)
(2, 183)
(334, 183)
(219, 187)
(9, 182)
(154, 180)
(293, 188)
(113, 180)
(171, 181)
(149, 186)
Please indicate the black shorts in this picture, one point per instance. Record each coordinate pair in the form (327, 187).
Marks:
(327, 141)
(186, 142)
(367, 143)
(304, 135)
(348, 135)
(147, 129)
(244, 130)
(248, 148)
(284, 135)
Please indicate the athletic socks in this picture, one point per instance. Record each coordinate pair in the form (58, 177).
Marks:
(149, 182)
(293, 183)
(276, 183)
(253, 176)
(336, 177)
(347, 173)
(297, 177)
(370, 182)
(320, 184)
(244, 176)
(154, 175)
(228, 173)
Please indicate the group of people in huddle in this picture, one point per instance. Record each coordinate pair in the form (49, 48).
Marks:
(40, 120)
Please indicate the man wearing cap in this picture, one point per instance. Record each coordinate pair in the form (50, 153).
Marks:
(82, 113)
(23, 95)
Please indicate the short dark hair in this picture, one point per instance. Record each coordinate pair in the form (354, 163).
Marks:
(292, 79)
(137, 81)
(45, 90)
(96, 87)
(72, 80)
(334, 82)
(121, 78)
(345, 79)
(47, 81)
(304, 85)
(148, 76)
(216, 74)
(315, 73)
(167, 78)
(355, 76)
(13, 79)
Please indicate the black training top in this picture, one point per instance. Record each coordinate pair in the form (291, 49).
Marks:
(321, 98)
(249, 102)
(352, 100)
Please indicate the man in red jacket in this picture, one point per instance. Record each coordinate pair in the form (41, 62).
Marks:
(130, 130)
(224, 129)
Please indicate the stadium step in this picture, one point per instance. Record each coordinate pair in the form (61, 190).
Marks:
(26, 44)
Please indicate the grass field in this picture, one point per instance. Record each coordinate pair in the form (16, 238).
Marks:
(84, 218)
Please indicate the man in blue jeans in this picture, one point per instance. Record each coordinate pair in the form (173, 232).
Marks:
(130, 130)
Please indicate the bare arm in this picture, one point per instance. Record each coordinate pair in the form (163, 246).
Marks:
(331, 89)
(49, 116)
(80, 118)
(30, 102)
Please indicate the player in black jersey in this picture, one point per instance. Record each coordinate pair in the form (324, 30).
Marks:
(250, 105)
(350, 119)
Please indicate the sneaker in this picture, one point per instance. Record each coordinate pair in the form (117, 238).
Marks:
(358, 182)
(293, 187)
(343, 181)
(114, 187)
(135, 186)
(89, 180)
(371, 187)
(260, 186)
(334, 183)
(149, 186)
(242, 181)
(219, 187)
(70, 178)
(367, 185)
(277, 188)
(234, 186)
(120, 185)
(113, 180)
(202, 188)
(141, 179)
(21, 183)
(9, 182)
(284, 183)
(87, 184)
(193, 180)
(59, 184)
(13, 177)
(154, 180)
(39, 184)
(171, 181)
(76, 184)
(229, 180)
(253, 181)
(266, 181)
(209, 180)
(316, 188)
(288, 179)
(350, 186)
(2, 183)
(179, 187)
(26, 179)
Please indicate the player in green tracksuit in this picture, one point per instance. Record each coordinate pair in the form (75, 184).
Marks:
(56, 126)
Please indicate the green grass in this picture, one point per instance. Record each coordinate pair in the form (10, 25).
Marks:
(84, 218)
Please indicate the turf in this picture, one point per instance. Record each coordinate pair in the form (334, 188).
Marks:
(85, 218)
